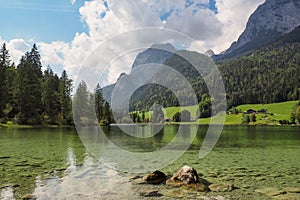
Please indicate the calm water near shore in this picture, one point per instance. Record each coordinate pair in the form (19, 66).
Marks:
(54, 163)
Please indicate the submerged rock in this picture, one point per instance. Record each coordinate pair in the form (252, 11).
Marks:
(29, 197)
(186, 175)
(221, 187)
(197, 186)
(150, 193)
(271, 191)
(156, 177)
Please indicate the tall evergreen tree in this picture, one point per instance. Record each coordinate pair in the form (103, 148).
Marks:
(11, 108)
(50, 100)
(4, 64)
(65, 89)
(29, 91)
(81, 104)
(99, 103)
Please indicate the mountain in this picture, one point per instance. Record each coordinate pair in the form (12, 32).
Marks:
(157, 53)
(268, 75)
(268, 23)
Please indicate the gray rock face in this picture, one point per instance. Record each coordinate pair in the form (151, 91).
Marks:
(271, 20)
(157, 53)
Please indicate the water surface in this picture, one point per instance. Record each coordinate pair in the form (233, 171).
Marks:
(54, 163)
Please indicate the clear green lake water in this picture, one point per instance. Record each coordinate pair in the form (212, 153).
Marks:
(61, 163)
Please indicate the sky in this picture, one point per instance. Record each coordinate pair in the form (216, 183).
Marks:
(68, 31)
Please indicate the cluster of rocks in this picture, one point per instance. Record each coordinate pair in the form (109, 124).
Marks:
(185, 177)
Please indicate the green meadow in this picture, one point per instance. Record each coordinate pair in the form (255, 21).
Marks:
(276, 112)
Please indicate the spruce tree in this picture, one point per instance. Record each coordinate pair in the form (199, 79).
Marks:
(28, 88)
(50, 100)
(81, 105)
(65, 89)
(4, 64)
(99, 103)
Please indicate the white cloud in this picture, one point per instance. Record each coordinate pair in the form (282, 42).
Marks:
(209, 30)
(17, 48)
(73, 2)
(233, 14)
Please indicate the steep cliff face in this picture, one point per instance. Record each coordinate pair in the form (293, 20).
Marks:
(268, 23)
(157, 53)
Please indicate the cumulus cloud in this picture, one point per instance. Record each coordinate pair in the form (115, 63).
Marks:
(17, 48)
(107, 19)
(233, 14)
(73, 2)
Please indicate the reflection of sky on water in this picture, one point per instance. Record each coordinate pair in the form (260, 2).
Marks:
(93, 180)
(7, 194)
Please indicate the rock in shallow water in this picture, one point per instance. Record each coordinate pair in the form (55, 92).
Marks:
(186, 175)
(150, 193)
(156, 177)
(29, 197)
(197, 186)
(270, 191)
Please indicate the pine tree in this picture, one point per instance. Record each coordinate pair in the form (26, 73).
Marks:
(4, 64)
(28, 88)
(11, 108)
(65, 89)
(50, 100)
(107, 113)
(99, 103)
(81, 105)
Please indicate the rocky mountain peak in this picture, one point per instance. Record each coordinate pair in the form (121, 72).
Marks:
(157, 53)
(268, 23)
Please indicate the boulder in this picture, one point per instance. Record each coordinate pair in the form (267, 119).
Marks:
(186, 175)
(156, 177)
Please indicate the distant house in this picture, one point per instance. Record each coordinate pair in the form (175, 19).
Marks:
(250, 111)
(262, 111)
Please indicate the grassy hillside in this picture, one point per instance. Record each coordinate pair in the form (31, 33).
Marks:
(276, 112)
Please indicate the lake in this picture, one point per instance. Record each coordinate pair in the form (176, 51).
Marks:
(62, 163)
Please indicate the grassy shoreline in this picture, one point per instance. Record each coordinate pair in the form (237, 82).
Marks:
(276, 112)
(33, 126)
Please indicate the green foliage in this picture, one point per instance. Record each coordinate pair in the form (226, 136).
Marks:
(65, 89)
(205, 106)
(268, 75)
(102, 108)
(246, 119)
(177, 117)
(29, 89)
(297, 116)
(4, 65)
(253, 118)
(30, 97)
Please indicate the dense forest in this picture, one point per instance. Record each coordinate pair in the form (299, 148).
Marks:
(270, 74)
(90, 108)
(30, 96)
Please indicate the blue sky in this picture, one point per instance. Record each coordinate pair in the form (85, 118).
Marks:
(66, 31)
(46, 20)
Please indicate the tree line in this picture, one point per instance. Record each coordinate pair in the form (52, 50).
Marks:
(30, 96)
(90, 108)
(268, 75)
